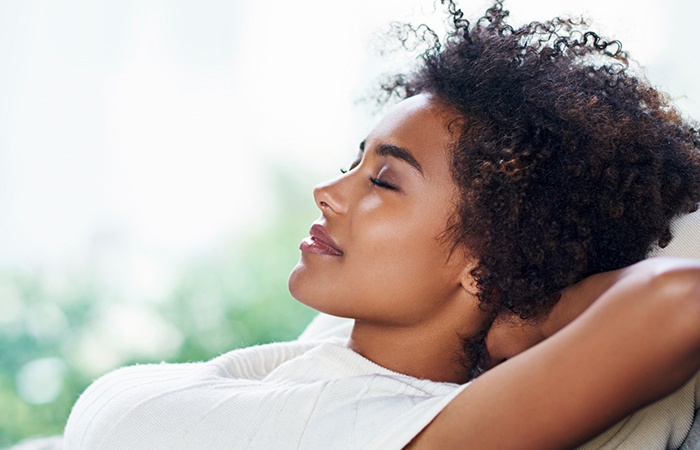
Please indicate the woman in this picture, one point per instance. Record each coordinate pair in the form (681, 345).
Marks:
(507, 198)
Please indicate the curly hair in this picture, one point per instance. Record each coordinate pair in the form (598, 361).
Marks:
(567, 163)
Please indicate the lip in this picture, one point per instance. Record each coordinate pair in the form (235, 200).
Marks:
(320, 242)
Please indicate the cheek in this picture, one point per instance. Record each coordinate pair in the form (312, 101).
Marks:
(403, 262)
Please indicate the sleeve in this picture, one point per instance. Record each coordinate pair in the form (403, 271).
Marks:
(401, 430)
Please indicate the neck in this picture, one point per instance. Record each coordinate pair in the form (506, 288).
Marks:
(432, 353)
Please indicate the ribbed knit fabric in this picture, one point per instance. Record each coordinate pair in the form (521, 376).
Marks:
(294, 395)
(306, 394)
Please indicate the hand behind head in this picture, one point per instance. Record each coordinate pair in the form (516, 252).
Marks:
(510, 335)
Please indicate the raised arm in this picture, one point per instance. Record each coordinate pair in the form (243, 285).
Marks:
(639, 341)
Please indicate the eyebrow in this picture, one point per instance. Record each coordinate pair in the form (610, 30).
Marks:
(396, 152)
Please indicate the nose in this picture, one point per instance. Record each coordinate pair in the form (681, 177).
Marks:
(330, 197)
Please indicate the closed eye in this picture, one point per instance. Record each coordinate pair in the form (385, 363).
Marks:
(379, 183)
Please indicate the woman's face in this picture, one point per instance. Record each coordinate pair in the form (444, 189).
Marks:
(377, 252)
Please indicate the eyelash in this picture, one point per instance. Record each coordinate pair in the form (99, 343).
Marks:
(379, 183)
(375, 181)
(352, 166)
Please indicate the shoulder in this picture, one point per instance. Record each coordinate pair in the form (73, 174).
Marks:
(112, 396)
(145, 400)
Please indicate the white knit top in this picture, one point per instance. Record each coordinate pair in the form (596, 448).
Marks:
(294, 395)
(314, 393)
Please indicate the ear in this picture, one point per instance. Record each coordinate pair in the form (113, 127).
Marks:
(467, 280)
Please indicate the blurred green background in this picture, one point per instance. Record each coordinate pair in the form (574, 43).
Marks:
(57, 335)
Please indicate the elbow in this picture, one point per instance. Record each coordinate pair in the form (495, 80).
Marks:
(674, 286)
(676, 283)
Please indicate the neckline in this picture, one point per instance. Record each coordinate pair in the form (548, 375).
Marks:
(343, 343)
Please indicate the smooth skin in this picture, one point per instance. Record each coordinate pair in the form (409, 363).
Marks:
(614, 343)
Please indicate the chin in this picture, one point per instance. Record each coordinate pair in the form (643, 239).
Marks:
(294, 279)
(298, 285)
(306, 289)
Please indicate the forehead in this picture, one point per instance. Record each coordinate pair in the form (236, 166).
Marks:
(419, 124)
